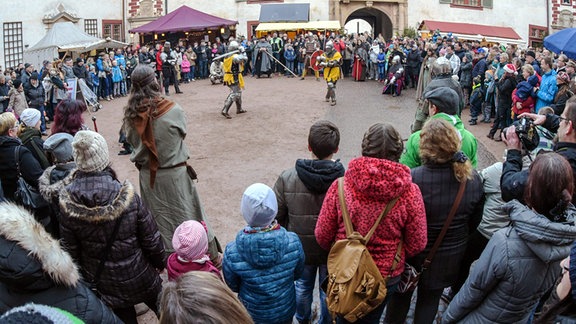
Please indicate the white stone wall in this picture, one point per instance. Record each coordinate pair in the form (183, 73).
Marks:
(515, 14)
(31, 13)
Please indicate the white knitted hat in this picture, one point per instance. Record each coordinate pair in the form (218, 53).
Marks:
(90, 151)
(259, 205)
(30, 117)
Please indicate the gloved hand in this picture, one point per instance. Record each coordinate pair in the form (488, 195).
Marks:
(241, 49)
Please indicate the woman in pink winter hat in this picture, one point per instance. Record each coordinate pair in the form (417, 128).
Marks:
(190, 242)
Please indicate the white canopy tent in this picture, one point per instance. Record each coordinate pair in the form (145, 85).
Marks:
(63, 37)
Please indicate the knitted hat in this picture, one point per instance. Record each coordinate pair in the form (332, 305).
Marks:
(38, 314)
(30, 117)
(190, 240)
(573, 270)
(510, 68)
(34, 76)
(531, 53)
(90, 151)
(259, 205)
(60, 145)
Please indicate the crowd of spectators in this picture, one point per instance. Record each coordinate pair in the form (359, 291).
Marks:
(99, 248)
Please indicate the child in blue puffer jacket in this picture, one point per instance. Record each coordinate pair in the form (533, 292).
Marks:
(263, 262)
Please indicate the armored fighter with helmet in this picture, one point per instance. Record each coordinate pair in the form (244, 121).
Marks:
(169, 59)
(331, 60)
(310, 46)
(233, 67)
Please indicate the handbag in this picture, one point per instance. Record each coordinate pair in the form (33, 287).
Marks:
(25, 194)
(411, 276)
(93, 284)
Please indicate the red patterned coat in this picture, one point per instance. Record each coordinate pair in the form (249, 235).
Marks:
(370, 183)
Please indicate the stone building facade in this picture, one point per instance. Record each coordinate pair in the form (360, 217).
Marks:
(20, 28)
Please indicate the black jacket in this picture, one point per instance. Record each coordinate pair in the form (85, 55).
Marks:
(513, 180)
(4, 89)
(439, 188)
(34, 268)
(505, 87)
(35, 95)
(29, 166)
(32, 139)
(90, 206)
(300, 192)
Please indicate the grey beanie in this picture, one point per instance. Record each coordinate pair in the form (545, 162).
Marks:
(259, 205)
(60, 145)
(90, 151)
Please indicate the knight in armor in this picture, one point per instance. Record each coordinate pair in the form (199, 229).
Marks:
(233, 67)
(331, 60)
(216, 71)
(311, 46)
(169, 59)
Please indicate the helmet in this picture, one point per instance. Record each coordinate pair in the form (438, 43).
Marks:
(396, 59)
(232, 46)
(329, 46)
(441, 67)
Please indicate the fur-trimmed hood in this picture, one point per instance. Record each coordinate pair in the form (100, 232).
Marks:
(95, 197)
(18, 226)
(51, 181)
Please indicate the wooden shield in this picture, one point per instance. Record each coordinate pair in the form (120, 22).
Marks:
(314, 60)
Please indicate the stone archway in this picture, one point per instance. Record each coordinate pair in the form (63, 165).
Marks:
(388, 18)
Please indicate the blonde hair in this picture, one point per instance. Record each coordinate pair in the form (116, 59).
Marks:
(439, 142)
(7, 121)
(200, 297)
(528, 68)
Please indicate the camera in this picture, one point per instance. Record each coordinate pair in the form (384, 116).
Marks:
(526, 132)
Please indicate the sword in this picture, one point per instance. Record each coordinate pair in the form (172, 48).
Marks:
(285, 67)
(225, 55)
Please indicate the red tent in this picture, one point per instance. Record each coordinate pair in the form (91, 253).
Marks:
(181, 20)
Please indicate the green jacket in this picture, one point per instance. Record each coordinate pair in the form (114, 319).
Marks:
(411, 155)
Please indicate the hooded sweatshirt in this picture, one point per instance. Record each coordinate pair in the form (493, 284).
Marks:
(519, 264)
(369, 185)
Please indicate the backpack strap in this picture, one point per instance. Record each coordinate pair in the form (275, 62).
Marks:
(346, 216)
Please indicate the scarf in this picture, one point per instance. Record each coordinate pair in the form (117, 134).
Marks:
(156, 108)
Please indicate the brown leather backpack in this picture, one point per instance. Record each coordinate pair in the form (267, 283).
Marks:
(355, 284)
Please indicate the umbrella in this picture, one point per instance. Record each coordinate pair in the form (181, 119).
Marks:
(563, 41)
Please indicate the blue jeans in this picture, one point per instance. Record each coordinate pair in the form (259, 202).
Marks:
(203, 69)
(192, 72)
(305, 291)
(290, 65)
